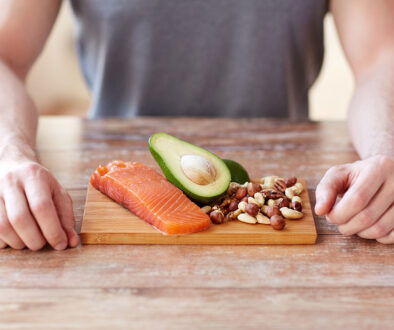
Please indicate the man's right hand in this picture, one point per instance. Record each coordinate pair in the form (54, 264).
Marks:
(34, 208)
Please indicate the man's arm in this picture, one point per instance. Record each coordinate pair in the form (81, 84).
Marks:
(34, 209)
(366, 30)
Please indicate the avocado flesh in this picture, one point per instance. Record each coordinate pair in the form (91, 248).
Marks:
(168, 151)
(238, 172)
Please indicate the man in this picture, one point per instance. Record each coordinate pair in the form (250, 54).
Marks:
(222, 57)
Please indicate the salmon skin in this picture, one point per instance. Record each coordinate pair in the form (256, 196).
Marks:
(150, 196)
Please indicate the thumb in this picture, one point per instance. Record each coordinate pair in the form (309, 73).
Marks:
(65, 211)
(333, 184)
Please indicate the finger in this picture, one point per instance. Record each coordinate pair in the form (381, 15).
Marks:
(7, 233)
(388, 239)
(42, 206)
(21, 220)
(332, 184)
(382, 227)
(64, 206)
(2, 244)
(368, 216)
(356, 198)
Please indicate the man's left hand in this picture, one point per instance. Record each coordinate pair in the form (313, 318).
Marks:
(367, 204)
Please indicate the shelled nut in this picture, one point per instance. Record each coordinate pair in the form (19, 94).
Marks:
(283, 202)
(296, 199)
(253, 188)
(236, 213)
(259, 198)
(233, 188)
(280, 185)
(241, 193)
(242, 206)
(267, 202)
(296, 206)
(277, 222)
(294, 190)
(206, 209)
(233, 205)
(271, 203)
(244, 217)
(217, 217)
(264, 209)
(262, 219)
(291, 214)
(289, 192)
(290, 181)
(252, 209)
(251, 200)
(268, 182)
(273, 210)
(296, 203)
(298, 188)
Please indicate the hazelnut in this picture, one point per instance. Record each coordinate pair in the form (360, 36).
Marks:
(241, 193)
(233, 206)
(253, 188)
(290, 181)
(296, 206)
(283, 202)
(273, 210)
(216, 216)
(277, 222)
(252, 209)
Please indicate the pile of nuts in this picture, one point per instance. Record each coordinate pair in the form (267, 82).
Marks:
(269, 201)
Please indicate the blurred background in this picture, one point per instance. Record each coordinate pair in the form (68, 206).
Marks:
(58, 88)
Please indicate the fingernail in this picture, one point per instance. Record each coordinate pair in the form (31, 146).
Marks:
(74, 241)
(61, 246)
(319, 205)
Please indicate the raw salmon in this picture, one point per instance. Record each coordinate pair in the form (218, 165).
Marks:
(150, 196)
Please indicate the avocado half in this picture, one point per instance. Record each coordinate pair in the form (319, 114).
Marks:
(200, 174)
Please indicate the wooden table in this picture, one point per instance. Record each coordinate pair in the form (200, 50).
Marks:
(345, 282)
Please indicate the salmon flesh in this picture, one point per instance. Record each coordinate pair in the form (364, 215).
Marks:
(151, 197)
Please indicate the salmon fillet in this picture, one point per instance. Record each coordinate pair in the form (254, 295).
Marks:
(150, 196)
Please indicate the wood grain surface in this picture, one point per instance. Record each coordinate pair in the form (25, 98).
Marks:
(106, 222)
(340, 282)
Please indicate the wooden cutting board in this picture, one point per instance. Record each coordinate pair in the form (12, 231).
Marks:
(106, 222)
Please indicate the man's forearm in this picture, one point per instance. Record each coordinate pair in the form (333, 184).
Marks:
(371, 112)
(18, 117)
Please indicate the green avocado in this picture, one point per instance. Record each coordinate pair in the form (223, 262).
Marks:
(200, 174)
(238, 172)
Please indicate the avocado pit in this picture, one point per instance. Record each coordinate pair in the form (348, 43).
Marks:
(198, 169)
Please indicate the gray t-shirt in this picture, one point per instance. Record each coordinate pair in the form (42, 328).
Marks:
(200, 57)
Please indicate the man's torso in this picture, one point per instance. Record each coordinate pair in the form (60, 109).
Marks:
(200, 57)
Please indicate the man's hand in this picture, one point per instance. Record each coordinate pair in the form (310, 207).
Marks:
(34, 208)
(367, 205)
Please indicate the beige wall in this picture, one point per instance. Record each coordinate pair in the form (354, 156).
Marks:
(57, 86)
(330, 95)
(55, 81)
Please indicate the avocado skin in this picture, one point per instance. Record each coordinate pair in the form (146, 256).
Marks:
(171, 178)
(238, 172)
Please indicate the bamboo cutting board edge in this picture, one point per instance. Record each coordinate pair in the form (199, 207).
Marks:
(125, 228)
